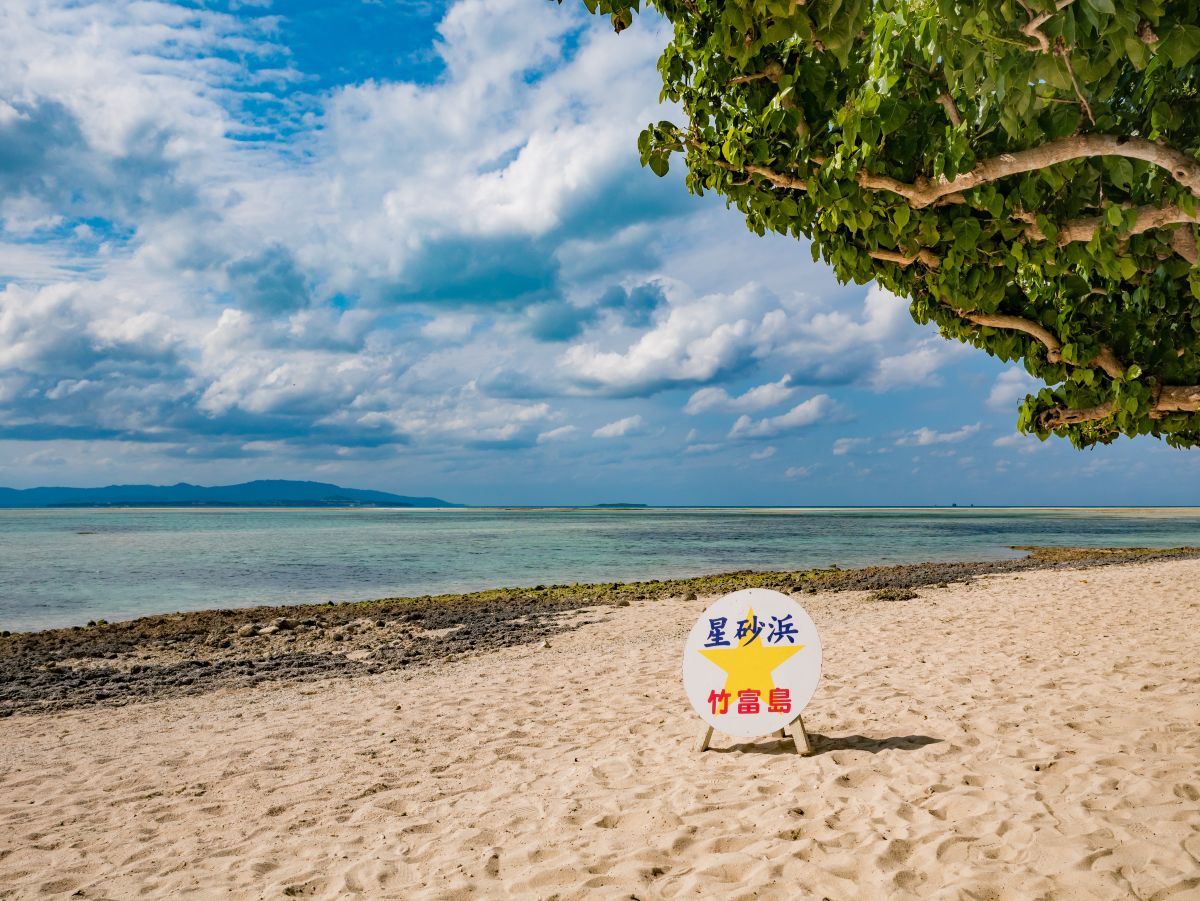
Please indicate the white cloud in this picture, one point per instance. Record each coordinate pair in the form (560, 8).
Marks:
(758, 398)
(1010, 387)
(700, 339)
(162, 316)
(916, 368)
(363, 279)
(844, 446)
(556, 434)
(798, 472)
(924, 436)
(804, 414)
(708, 338)
(626, 426)
(453, 327)
(1026, 444)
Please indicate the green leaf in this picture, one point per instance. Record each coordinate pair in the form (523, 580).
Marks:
(1180, 45)
(857, 95)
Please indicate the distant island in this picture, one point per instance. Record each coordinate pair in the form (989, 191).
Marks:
(260, 493)
(620, 506)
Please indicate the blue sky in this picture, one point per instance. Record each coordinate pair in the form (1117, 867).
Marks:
(408, 245)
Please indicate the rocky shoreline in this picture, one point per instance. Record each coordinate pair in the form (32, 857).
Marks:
(190, 653)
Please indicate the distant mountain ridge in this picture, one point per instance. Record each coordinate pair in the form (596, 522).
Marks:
(259, 493)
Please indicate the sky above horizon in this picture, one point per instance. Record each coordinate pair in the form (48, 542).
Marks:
(408, 245)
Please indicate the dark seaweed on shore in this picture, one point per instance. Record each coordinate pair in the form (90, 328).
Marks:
(180, 654)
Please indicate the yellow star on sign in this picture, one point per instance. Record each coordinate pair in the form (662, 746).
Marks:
(750, 664)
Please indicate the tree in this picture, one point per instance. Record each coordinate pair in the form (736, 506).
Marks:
(1024, 171)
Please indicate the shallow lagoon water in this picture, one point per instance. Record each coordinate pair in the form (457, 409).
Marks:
(63, 567)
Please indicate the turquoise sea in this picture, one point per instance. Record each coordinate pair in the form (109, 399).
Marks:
(63, 567)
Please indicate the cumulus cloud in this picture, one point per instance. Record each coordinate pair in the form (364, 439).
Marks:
(757, 398)
(765, 454)
(626, 426)
(1011, 386)
(186, 278)
(699, 339)
(915, 368)
(844, 446)
(924, 436)
(712, 338)
(208, 249)
(797, 472)
(804, 414)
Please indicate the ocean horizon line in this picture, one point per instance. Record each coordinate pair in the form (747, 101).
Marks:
(599, 508)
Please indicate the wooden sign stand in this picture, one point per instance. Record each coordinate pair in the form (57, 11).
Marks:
(795, 729)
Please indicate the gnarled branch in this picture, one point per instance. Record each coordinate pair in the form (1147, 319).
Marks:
(926, 257)
(1177, 399)
(1033, 28)
(1019, 324)
(1170, 399)
(778, 179)
(1147, 217)
(924, 191)
(1105, 359)
(1057, 417)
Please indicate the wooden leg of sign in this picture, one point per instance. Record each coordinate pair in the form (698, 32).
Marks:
(795, 729)
(800, 737)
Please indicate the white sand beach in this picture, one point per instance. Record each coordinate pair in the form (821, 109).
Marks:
(1028, 736)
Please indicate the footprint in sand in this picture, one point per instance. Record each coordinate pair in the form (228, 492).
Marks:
(1187, 792)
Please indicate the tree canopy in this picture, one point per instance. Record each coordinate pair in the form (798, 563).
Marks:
(1025, 172)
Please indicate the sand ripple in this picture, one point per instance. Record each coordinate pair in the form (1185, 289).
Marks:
(1028, 736)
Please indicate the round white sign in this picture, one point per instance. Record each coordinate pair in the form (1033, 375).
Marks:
(751, 662)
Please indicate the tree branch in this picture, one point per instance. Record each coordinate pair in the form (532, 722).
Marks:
(1033, 28)
(1085, 229)
(1057, 417)
(778, 179)
(1183, 240)
(1170, 399)
(1105, 359)
(951, 108)
(924, 191)
(773, 71)
(1177, 399)
(1019, 324)
(1065, 55)
(926, 257)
